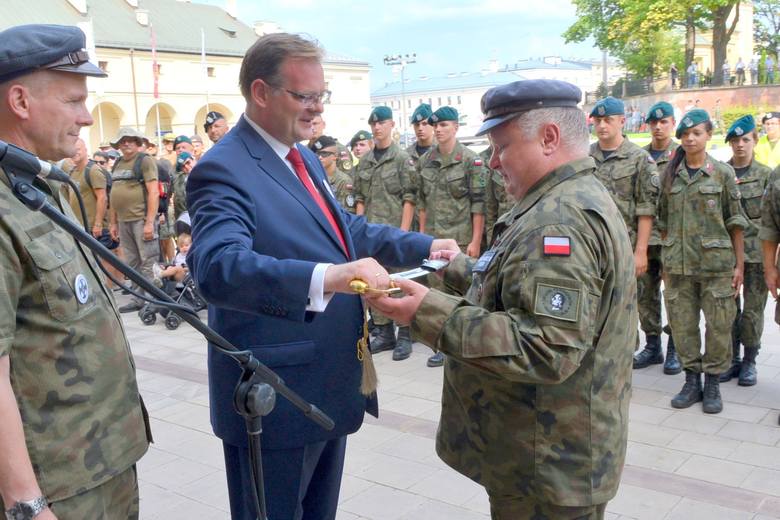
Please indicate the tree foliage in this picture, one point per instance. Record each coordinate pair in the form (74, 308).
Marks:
(766, 25)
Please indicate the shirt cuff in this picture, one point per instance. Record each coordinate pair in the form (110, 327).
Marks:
(318, 299)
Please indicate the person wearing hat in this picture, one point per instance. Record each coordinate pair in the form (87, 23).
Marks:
(135, 198)
(361, 143)
(215, 126)
(169, 155)
(185, 162)
(73, 424)
(661, 122)
(767, 149)
(327, 150)
(197, 146)
(423, 131)
(451, 191)
(701, 222)
(182, 143)
(752, 178)
(538, 331)
(104, 146)
(386, 193)
(630, 175)
(343, 157)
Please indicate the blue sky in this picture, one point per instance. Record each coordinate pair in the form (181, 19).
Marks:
(451, 36)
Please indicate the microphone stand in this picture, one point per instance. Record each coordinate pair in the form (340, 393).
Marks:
(255, 393)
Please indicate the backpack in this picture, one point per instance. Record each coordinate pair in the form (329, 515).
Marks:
(106, 174)
(163, 180)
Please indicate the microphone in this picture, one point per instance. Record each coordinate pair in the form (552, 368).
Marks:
(26, 165)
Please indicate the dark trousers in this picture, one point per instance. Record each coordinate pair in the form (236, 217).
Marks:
(300, 483)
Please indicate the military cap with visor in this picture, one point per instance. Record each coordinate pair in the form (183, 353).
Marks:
(608, 106)
(500, 104)
(421, 113)
(211, 118)
(29, 48)
(695, 117)
(443, 114)
(743, 125)
(380, 114)
(659, 111)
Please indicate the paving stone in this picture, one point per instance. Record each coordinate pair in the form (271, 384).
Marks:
(642, 504)
(688, 509)
(715, 470)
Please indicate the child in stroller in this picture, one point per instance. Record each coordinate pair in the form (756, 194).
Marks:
(176, 281)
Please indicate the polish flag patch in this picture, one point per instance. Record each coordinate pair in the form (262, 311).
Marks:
(557, 246)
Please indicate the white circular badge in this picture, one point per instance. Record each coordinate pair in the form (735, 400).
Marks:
(82, 289)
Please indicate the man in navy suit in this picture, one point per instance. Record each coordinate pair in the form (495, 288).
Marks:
(273, 254)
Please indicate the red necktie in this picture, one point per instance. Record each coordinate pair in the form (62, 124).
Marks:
(294, 156)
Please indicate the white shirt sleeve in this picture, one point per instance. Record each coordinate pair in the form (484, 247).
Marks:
(318, 299)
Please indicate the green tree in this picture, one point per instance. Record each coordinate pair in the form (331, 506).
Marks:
(766, 26)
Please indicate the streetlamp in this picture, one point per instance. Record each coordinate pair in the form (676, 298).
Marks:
(402, 60)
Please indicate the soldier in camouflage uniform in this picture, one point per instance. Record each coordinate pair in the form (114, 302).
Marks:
(386, 193)
(360, 144)
(769, 234)
(73, 424)
(630, 175)
(423, 131)
(327, 151)
(185, 162)
(344, 162)
(538, 332)
(497, 200)
(452, 191)
(660, 119)
(752, 178)
(701, 221)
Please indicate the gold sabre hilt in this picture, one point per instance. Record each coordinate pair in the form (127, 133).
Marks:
(361, 287)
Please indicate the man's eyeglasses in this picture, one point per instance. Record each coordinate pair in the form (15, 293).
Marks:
(325, 153)
(101, 163)
(308, 100)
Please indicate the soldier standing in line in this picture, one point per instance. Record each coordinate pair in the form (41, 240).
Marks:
(327, 150)
(423, 131)
(344, 159)
(701, 222)
(72, 423)
(452, 191)
(538, 332)
(497, 200)
(751, 178)
(360, 144)
(660, 119)
(386, 193)
(630, 175)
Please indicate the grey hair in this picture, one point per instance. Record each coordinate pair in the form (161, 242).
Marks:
(571, 121)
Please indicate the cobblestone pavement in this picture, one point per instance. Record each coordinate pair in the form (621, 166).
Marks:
(681, 464)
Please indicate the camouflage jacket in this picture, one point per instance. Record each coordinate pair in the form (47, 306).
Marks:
(345, 162)
(696, 214)
(342, 189)
(412, 151)
(179, 190)
(751, 187)
(770, 209)
(537, 378)
(383, 186)
(631, 177)
(661, 162)
(71, 367)
(497, 201)
(451, 189)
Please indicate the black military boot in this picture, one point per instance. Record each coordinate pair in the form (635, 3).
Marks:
(736, 362)
(651, 354)
(712, 401)
(747, 372)
(672, 364)
(403, 346)
(691, 392)
(435, 360)
(385, 338)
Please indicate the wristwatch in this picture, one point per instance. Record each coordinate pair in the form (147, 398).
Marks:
(27, 510)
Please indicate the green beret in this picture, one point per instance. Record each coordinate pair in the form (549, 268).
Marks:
(608, 106)
(695, 117)
(443, 114)
(181, 139)
(743, 125)
(380, 114)
(421, 113)
(362, 135)
(659, 111)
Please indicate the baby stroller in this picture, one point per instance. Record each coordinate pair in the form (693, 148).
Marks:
(183, 293)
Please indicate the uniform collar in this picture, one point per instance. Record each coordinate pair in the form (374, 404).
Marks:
(552, 179)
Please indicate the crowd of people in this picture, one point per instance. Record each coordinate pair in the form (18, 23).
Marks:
(557, 250)
(736, 75)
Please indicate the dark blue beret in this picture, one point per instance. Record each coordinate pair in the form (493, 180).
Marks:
(608, 106)
(27, 48)
(500, 104)
(380, 114)
(659, 111)
(695, 117)
(770, 115)
(211, 118)
(743, 125)
(443, 114)
(421, 113)
(323, 141)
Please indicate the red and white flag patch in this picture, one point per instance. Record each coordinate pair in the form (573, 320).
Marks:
(557, 246)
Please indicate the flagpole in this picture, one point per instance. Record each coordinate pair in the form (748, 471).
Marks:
(156, 79)
(204, 66)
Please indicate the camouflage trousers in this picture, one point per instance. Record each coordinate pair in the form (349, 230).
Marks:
(116, 499)
(686, 298)
(649, 294)
(749, 323)
(504, 507)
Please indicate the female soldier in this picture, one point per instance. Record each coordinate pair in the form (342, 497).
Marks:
(701, 223)
(748, 327)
